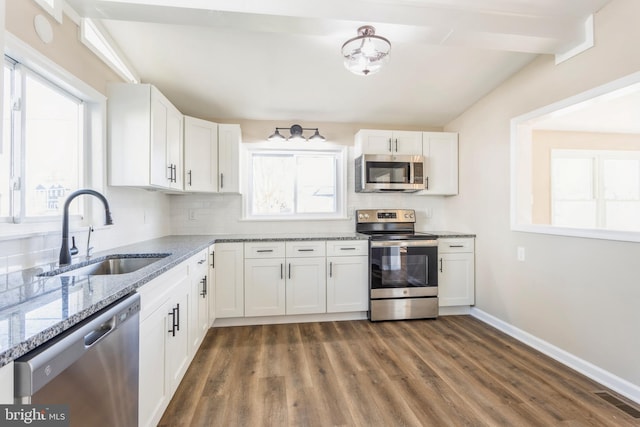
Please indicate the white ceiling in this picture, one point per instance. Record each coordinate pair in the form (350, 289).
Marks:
(280, 59)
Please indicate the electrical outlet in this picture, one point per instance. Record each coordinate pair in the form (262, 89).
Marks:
(521, 254)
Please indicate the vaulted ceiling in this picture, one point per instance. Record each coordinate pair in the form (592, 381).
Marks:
(281, 60)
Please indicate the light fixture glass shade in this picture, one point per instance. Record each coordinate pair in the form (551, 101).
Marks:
(276, 136)
(317, 137)
(367, 53)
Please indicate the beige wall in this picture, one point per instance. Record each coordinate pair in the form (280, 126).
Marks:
(65, 50)
(581, 295)
(543, 141)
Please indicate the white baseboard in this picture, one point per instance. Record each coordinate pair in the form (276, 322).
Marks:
(615, 383)
(454, 311)
(300, 318)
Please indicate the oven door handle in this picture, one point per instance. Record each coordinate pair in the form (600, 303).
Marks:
(404, 243)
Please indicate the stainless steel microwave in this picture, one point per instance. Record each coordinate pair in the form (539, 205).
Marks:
(377, 173)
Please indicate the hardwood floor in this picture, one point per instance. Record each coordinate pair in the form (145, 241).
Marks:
(453, 371)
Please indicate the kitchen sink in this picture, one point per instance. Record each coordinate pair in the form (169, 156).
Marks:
(112, 264)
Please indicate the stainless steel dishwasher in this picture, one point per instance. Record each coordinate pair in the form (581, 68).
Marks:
(93, 368)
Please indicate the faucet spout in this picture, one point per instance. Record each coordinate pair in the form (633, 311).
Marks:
(65, 254)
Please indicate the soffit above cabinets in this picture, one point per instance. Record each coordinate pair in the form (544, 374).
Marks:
(280, 59)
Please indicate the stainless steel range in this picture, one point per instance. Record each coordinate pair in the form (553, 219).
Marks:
(403, 279)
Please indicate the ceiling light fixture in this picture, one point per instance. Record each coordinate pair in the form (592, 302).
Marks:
(296, 134)
(367, 53)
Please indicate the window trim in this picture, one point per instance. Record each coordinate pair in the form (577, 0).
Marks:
(520, 147)
(55, 9)
(340, 152)
(94, 132)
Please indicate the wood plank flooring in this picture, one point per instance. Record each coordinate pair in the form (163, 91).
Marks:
(453, 371)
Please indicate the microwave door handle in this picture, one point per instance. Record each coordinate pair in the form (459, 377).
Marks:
(412, 170)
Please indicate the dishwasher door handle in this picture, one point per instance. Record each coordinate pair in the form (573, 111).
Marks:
(99, 333)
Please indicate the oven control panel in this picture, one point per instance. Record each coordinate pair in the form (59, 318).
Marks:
(385, 215)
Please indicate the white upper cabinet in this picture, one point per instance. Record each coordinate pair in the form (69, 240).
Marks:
(145, 138)
(371, 141)
(200, 156)
(440, 151)
(229, 139)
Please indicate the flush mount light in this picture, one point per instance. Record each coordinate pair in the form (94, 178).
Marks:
(367, 53)
(296, 134)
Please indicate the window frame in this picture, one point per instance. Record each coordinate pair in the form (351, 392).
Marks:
(598, 196)
(94, 131)
(339, 152)
(521, 128)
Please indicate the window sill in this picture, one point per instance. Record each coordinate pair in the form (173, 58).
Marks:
(623, 236)
(282, 219)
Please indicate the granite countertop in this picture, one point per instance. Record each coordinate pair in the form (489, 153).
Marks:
(36, 309)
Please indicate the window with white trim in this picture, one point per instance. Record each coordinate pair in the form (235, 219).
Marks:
(596, 189)
(43, 147)
(295, 183)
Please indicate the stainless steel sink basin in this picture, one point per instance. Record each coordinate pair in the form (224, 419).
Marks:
(113, 264)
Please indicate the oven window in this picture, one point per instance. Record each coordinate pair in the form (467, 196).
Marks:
(388, 172)
(398, 267)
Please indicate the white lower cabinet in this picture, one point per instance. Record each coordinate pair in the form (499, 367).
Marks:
(6, 384)
(264, 285)
(199, 316)
(306, 285)
(173, 321)
(212, 287)
(228, 261)
(347, 276)
(284, 278)
(164, 344)
(456, 272)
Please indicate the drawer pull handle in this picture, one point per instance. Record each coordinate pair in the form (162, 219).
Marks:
(306, 250)
(456, 246)
(347, 249)
(264, 250)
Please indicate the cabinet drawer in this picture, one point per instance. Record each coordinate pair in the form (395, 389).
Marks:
(157, 291)
(347, 247)
(264, 250)
(455, 245)
(302, 248)
(198, 264)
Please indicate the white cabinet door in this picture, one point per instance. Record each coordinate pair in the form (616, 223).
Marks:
(175, 138)
(178, 348)
(228, 263)
(199, 315)
(347, 283)
(212, 287)
(306, 285)
(371, 141)
(440, 151)
(200, 155)
(456, 272)
(407, 142)
(145, 138)
(161, 169)
(229, 139)
(154, 392)
(6, 378)
(264, 287)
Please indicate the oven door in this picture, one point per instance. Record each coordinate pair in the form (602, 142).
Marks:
(404, 269)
